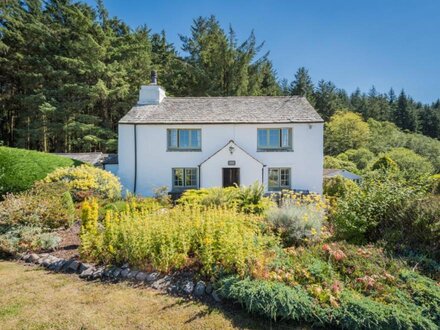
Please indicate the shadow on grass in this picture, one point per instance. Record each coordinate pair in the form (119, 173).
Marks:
(237, 315)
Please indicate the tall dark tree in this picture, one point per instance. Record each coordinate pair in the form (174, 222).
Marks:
(405, 116)
(302, 85)
(327, 99)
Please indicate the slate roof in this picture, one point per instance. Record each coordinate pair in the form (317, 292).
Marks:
(230, 109)
(94, 158)
(332, 172)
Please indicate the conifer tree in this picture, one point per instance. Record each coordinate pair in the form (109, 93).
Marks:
(302, 85)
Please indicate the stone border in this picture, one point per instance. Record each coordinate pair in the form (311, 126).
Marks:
(177, 284)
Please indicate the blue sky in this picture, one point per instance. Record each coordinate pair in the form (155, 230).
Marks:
(354, 43)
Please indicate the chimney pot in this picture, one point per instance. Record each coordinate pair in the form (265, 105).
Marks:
(154, 77)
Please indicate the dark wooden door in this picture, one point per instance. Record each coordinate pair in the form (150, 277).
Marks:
(231, 176)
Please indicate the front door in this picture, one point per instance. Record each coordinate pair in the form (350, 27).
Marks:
(231, 176)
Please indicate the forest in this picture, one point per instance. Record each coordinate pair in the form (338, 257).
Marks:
(69, 72)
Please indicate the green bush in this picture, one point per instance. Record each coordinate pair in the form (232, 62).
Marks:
(339, 186)
(47, 205)
(333, 162)
(360, 157)
(359, 216)
(21, 168)
(411, 165)
(271, 299)
(435, 184)
(86, 181)
(245, 199)
(415, 225)
(385, 164)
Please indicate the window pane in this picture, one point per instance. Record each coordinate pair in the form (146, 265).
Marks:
(274, 138)
(285, 177)
(285, 141)
(190, 177)
(273, 177)
(262, 138)
(183, 138)
(178, 177)
(195, 138)
(172, 138)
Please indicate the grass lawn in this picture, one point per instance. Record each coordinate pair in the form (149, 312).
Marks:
(20, 168)
(32, 298)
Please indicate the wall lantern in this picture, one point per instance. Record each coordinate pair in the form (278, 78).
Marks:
(231, 149)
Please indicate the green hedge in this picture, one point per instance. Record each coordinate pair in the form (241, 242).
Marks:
(20, 168)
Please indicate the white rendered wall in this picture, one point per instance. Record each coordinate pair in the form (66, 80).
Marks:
(155, 163)
(250, 168)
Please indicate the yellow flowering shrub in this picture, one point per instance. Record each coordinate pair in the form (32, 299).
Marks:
(87, 180)
(210, 239)
(89, 234)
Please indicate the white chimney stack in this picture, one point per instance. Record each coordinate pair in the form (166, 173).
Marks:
(152, 93)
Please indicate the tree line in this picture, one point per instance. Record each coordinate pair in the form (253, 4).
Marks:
(69, 72)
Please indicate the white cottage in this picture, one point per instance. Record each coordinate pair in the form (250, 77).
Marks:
(194, 142)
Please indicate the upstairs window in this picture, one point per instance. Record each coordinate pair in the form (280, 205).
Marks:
(185, 178)
(274, 139)
(184, 139)
(279, 179)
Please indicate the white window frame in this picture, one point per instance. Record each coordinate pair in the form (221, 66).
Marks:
(282, 146)
(184, 186)
(279, 186)
(178, 147)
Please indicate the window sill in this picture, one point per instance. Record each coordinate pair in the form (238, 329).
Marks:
(180, 190)
(274, 150)
(278, 189)
(184, 150)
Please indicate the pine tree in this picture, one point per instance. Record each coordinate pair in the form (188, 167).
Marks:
(302, 85)
(405, 116)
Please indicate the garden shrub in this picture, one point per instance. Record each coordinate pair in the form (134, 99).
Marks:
(415, 225)
(22, 238)
(360, 157)
(360, 312)
(338, 186)
(386, 164)
(298, 219)
(245, 199)
(268, 298)
(411, 164)
(358, 216)
(85, 181)
(47, 205)
(216, 239)
(435, 184)
(340, 285)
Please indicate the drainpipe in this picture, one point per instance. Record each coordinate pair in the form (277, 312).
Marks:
(200, 174)
(262, 174)
(135, 158)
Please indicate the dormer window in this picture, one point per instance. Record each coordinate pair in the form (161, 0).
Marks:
(180, 139)
(272, 139)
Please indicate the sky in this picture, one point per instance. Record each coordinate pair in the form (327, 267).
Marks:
(354, 43)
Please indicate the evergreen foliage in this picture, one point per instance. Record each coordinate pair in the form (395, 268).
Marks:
(69, 72)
